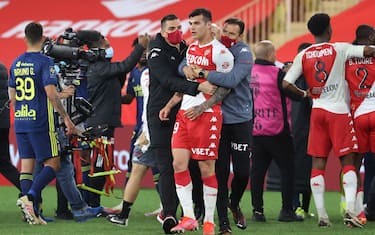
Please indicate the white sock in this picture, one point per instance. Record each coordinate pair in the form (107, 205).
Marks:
(359, 202)
(317, 185)
(349, 180)
(184, 194)
(209, 197)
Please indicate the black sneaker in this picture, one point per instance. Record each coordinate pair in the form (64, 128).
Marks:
(258, 216)
(118, 220)
(199, 213)
(225, 229)
(239, 218)
(289, 216)
(64, 215)
(168, 223)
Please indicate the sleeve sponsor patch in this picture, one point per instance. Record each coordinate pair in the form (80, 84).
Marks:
(52, 71)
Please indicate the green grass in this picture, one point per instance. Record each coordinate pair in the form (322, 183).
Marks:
(10, 218)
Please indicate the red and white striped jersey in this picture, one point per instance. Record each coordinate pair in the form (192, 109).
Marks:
(360, 74)
(211, 56)
(323, 66)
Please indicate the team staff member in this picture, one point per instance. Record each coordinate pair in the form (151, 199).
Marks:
(104, 82)
(32, 89)
(166, 52)
(272, 135)
(323, 65)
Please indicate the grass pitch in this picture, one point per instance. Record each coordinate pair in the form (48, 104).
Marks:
(10, 217)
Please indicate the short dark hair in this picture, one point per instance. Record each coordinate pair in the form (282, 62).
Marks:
(303, 46)
(318, 23)
(201, 11)
(96, 44)
(34, 32)
(236, 21)
(166, 18)
(363, 33)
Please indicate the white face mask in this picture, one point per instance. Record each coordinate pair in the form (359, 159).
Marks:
(109, 53)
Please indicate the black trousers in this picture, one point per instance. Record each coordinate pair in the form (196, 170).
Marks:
(280, 149)
(235, 145)
(371, 196)
(6, 167)
(167, 187)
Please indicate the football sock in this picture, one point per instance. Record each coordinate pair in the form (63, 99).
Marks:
(184, 188)
(209, 197)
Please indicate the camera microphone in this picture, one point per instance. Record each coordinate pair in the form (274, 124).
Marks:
(88, 35)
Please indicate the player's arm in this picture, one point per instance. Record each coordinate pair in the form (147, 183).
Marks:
(67, 92)
(241, 70)
(164, 112)
(54, 98)
(291, 77)
(369, 51)
(12, 96)
(194, 112)
(224, 61)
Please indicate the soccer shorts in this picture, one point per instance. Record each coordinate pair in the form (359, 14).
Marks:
(144, 158)
(38, 145)
(365, 129)
(201, 136)
(330, 130)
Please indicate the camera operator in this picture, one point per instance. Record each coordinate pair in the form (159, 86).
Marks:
(104, 82)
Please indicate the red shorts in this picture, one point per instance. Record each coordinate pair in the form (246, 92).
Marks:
(365, 130)
(330, 130)
(201, 136)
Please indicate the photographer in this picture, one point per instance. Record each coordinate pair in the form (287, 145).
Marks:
(104, 82)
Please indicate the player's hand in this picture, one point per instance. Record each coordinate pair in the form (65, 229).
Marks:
(67, 92)
(189, 72)
(70, 127)
(143, 40)
(164, 113)
(207, 88)
(142, 140)
(194, 112)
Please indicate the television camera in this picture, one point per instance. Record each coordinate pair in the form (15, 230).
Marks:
(72, 58)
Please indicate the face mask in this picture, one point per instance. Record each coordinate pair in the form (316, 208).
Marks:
(175, 37)
(228, 42)
(109, 53)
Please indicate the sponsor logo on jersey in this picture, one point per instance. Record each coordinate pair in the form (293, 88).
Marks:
(201, 151)
(213, 128)
(213, 137)
(212, 145)
(24, 113)
(213, 119)
(198, 60)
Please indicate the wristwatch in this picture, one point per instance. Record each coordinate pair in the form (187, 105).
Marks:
(201, 73)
